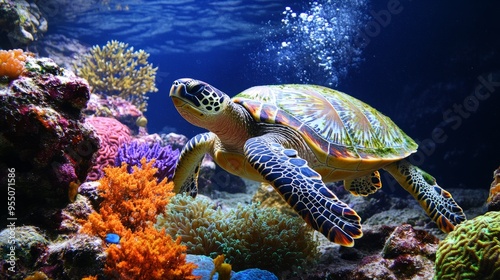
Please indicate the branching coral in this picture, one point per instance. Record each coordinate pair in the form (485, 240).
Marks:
(471, 250)
(148, 254)
(117, 70)
(130, 200)
(12, 63)
(129, 208)
(165, 157)
(248, 236)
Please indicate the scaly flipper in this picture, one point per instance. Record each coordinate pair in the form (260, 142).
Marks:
(303, 189)
(438, 203)
(364, 185)
(187, 169)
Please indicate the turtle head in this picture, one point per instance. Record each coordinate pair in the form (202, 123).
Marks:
(198, 102)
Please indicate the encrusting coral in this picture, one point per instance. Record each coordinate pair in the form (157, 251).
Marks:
(471, 250)
(12, 63)
(248, 236)
(115, 69)
(130, 204)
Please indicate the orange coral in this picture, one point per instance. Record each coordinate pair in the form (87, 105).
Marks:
(129, 200)
(148, 254)
(12, 63)
(130, 205)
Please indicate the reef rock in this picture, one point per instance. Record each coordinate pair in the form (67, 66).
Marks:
(43, 144)
(21, 23)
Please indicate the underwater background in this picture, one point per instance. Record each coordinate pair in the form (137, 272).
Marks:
(413, 67)
(433, 67)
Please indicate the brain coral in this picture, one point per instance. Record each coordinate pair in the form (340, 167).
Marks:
(112, 134)
(248, 236)
(117, 70)
(471, 250)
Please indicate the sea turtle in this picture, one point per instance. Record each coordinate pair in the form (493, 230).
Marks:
(296, 137)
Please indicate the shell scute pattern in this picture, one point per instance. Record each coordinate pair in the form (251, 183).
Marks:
(331, 122)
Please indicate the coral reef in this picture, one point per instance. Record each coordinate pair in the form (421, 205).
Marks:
(114, 107)
(471, 250)
(21, 23)
(177, 141)
(22, 255)
(493, 201)
(248, 236)
(131, 202)
(73, 257)
(165, 157)
(116, 69)
(12, 63)
(112, 134)
(42, 138)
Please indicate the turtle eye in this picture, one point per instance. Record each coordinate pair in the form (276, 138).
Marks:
(195, 89)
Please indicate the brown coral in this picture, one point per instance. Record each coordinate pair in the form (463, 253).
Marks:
(12, 63)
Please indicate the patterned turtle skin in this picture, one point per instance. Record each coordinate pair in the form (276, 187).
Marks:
(296, 138)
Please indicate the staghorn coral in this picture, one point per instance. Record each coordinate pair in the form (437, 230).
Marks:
(12, 63)
(471, 250)
(248, 236)
(117, 70)
(112, 134)
(165, 157)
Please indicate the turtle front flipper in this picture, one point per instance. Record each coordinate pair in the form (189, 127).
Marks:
(437, 202)
(188, 166)
(303, 189)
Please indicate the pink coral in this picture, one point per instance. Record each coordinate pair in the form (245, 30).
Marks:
(112, 134)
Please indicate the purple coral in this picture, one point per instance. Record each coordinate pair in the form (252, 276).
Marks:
(165, 157)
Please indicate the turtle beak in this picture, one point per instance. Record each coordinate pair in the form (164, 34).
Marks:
(185, 102)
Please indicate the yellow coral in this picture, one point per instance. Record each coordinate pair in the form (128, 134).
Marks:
(12, 63)
(222, 268)
(115, 69)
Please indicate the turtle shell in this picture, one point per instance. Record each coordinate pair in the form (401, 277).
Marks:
(339, 128)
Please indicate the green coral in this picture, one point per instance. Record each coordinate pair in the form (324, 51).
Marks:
(471, 250)
(249, 236)
(115, 69)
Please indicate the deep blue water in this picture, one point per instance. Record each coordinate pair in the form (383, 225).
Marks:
(416, 67)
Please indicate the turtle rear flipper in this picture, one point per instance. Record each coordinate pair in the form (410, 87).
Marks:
(365, 185)
(438, 203)
(303, 189)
